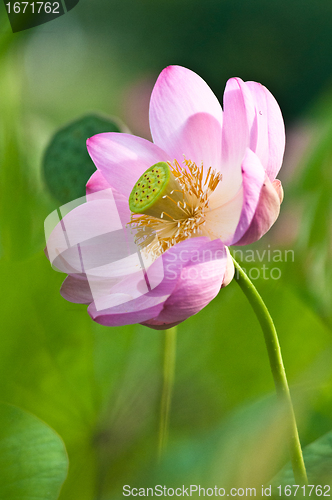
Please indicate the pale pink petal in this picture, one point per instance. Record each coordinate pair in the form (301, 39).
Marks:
(222, 222)
(178, 95)
(253, 176)
(123, 158)
(199, 140)
(266, 213)
(98, 188)
(129, 296)
(90, 236)
(199, 282)
(91, 220)
(126, 309)
(230, 270)
(230, 220)
(267, 138)
(235, 136)
(76, 289)
(127, 313)
(104, 285)
(278, 187)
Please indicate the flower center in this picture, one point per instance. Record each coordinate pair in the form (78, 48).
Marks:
(169, 202)
(155, 191)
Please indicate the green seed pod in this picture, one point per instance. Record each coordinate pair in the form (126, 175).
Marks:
(67, 165)
(156, 193)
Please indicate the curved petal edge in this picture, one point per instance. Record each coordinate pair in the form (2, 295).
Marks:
(266, 213)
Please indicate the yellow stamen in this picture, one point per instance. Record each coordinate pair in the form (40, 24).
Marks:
(191, 201)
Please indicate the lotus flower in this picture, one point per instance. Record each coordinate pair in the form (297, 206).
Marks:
(206, 181)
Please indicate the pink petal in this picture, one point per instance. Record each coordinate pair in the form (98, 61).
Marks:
(198, 140)
(209, 260)
(123, 158)
(253, 175)
(96, 184)
(129, 287)
(199, 282)
(159, 325)
(266, 213)
(98, 188)
(235, 136)
(128, 310)
(130, 300)
(109, 285)
(128, 313)
(267, 138)
(178, 95)
(76, 289)
(91, 220)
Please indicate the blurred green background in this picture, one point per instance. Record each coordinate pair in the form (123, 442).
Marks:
(99, 388)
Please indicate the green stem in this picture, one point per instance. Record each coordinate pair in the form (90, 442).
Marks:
(277, 367)
(168, 380)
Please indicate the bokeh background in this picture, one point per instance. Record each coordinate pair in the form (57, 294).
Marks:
(99, 388)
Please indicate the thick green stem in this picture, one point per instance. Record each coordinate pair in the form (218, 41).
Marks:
(277, 367)
(168, 380)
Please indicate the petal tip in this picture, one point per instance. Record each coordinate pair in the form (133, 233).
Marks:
(91, 141)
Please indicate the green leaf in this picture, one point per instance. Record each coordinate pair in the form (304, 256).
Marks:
(33, 458)
(67, 165)
(318, 461)
(242, 449)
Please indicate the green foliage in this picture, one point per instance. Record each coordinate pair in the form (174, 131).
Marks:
(33, 459)
(243, 450)
(67, 165)
(309, 194)
(318, 460)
